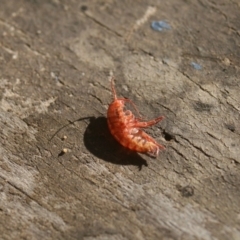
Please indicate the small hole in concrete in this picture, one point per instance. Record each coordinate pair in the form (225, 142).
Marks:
(168, 137)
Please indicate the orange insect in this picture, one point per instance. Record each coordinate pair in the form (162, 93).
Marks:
(126, 128)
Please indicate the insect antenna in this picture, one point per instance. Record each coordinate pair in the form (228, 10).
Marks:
(124, 99)
(113, 88)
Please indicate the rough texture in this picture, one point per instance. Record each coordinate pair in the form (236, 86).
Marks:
(63, 176)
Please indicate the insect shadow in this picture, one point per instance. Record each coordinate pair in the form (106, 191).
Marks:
(99, 141)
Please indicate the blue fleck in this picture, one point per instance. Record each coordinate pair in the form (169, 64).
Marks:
(196, 66)
(160, 25)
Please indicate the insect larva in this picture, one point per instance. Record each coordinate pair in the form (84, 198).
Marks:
(126, 128)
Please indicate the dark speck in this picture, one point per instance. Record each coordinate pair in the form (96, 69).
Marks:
(230, 127)
(202, 107)
(187, 191)
(84, 8)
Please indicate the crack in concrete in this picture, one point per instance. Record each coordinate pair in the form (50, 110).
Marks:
(88, 14)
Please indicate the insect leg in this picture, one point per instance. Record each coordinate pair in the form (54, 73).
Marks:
(134, 106)
(147, 124)
(150, 139)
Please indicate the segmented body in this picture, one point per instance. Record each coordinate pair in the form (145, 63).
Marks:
(126, 128)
